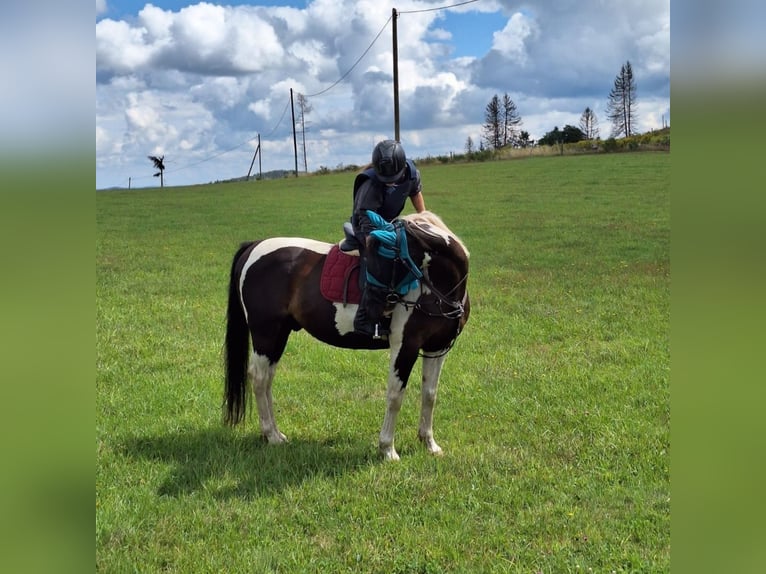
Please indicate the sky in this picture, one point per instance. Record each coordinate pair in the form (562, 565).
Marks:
(199, 82)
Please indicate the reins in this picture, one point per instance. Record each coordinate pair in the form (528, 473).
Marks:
(456, 308)
(396, 248)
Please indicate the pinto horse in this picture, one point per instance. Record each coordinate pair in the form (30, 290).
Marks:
(275, 289)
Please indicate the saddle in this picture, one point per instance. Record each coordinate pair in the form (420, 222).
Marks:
(339, 282)
(340, 277)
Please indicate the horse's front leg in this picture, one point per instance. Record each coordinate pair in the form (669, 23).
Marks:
(399, 371)
(432, 367)
(261, 372)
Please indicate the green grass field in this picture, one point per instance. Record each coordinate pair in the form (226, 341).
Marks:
(553, 406)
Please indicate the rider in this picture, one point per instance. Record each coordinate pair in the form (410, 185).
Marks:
(383, 188)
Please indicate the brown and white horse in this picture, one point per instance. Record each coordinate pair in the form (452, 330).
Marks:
(275, 289)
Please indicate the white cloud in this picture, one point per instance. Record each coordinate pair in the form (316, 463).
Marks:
(100, 7)
(121, 48)
(510, 41)
(206, 78)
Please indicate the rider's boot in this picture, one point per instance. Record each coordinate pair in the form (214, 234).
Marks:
(369, 316)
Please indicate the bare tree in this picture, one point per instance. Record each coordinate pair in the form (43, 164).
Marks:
(621, 107)
(159, 164)
(304, 108)
(589, 124)
(469, 145)
(511, 121)
(492, 128)
(501, 122)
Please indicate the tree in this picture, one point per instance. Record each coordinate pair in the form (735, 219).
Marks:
(553, 137)
(511, 121)
(621, 107)
(492, 128)
(524, 140)
(304, 108)
(160, 165)
(501, 122)
(570, 134)
(589, 124)
(469, 145)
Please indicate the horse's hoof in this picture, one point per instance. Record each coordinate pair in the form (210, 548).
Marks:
(431, 446)
(389, 453)
(276, 438)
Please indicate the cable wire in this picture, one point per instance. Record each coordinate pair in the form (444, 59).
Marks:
(439, 8)
(343, 77)
(327, 89)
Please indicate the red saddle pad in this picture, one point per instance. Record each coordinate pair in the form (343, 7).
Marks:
(340, 277)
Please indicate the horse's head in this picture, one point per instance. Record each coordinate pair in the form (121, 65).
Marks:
(443, 259)
(437, 241)
(425, 252)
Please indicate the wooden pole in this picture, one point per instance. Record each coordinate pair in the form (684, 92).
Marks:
(257, 149)
(396, 76)
(295, 139)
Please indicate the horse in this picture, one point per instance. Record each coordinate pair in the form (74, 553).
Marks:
(274, 289)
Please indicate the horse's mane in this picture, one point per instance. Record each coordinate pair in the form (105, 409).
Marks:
(429, 226)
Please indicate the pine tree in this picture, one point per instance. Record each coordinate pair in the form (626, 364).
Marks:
(501, 122)
(493, 131)
(622, 103)
(511, 121)
(589, 124)
(469, 145)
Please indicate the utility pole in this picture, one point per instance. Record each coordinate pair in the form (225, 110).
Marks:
(257, 153)
(394, 16)
(295, 139)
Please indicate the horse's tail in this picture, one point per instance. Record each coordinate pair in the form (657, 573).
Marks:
(237, 349)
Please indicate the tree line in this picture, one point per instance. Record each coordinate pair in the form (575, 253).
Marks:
(502, 121)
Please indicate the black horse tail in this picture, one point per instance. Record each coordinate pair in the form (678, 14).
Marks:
(237, 350)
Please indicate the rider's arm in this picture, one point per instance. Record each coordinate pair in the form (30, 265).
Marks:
(418, 203)
(367, 197)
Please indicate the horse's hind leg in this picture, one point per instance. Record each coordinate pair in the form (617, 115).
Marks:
(261, 372)
(432, 367)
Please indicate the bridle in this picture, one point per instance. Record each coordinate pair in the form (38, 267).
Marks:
(446, 305)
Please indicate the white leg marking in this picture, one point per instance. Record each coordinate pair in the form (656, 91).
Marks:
(261, 374)
(394, 397)
(432, 367)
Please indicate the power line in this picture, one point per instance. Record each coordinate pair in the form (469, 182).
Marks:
(435, 9)
(219, 154)
(284, 111)
(343, 77)
(327, 89)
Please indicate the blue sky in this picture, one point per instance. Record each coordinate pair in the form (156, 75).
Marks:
(198, 82)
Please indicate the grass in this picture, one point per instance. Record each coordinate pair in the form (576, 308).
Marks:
(553, 407)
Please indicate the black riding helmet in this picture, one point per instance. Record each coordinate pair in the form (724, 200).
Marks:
(389, 161)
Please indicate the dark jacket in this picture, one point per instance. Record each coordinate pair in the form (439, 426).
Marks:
(387, 201)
